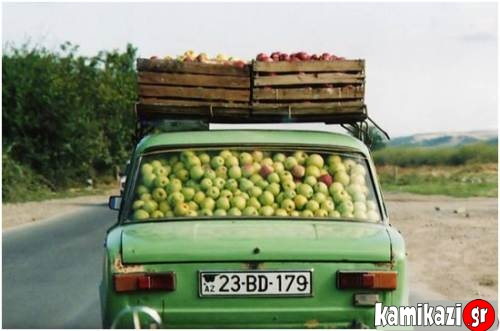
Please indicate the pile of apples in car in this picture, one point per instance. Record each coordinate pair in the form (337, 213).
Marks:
(252, 183)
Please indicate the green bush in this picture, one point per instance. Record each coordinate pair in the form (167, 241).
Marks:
(66, 117)
(432, 156)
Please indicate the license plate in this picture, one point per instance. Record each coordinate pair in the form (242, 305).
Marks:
(255, 283)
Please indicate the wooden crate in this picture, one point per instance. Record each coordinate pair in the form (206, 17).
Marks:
(303, 88)
(192, 84)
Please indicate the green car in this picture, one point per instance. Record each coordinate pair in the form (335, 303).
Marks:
(251, 229)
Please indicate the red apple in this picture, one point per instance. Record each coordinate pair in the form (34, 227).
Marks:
(298, 171)
(265, 171)
(154, 57)
(275, 56)
(326, 56)
(303, 56)
(327, 179)
(262, 57)
(239, 64)
(315, 57)
(284, 57)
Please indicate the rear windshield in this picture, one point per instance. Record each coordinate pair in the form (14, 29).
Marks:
(253, 183)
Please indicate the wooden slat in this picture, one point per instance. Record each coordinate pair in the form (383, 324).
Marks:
(310, 66)
(316, 78)
(157, 110)
(194, 93)
(191, 103)
(191, 67)
(317, 106)
(145, 77)
(307, 93)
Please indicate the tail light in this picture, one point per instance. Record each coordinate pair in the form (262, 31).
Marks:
(144, 282)
(376, 280)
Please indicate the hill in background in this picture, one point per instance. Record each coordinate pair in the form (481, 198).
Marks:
(446, 139)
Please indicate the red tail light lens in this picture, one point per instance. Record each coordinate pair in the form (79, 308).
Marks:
(377, 280)
(144, 282)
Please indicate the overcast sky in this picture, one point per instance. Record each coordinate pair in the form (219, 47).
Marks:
(430, 67)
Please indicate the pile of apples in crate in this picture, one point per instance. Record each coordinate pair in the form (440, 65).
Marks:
(299, 56)
(253, 183)
(191, 56)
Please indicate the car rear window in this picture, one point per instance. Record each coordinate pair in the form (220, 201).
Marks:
(253, 183)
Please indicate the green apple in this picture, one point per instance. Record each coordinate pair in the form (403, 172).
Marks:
(285, 176)
(209, 173)
(273, 178)
(300, 201)
(196, 172)
(182, 174)
(312, 205)
(164, 207)
(219, 183)
(253, 202)
(279, 157)
(231, 184)
(226, 193)
(257, 156)
(193, 184)
(320, 187)
(220, 212)
(358, 196)
(280, 212)
(156, 164)
(145, 197)
(345, 207)
(358, 169)
(371, 205)
(310, 180)
(213, 192)
(358, 179)
(160, 171)
(288, 205)
(175, 185)
(217, 161)
(315, 160)
(300, 156)
(193, 205)
(305, 190)
(245, 158)
(250, 211)
(295, 213)
(342, 177)
(157, 214)
(335, 187)
(243, 194)
(234, 172)
(267, 162)
(141, 189)
(312, 170)
(289, 194)
(372, 215)
(188, 193)
(148, 179)
(307, 213)
(278, 167)
(262, 184)
(245, 184)
(255, 191)
(353, 188)
(256, 167)
(289, 185)
(340, 196)
(173, 159)
(146, 168)
(349, 164)
(359, 206)
(359, 214)
(182, 209)
(290, 162)
(206, 212)
(327, 205)
(204, 158)
(255, 178)
(247, 170)
(207, 203)
(138, 204)
(225, 153)
(161, 181)
(206, 183)
(177, 166)
(266, 211)
(231, 161)
(140, 214)
(319, 197)
(221, 172)
(274, 188)
(238, 202)
(150, 206)
(321, 213)
(336, 167)
(192, 161)
(159, 194)
(334, 214)
(266, 198)
(234, 212)
(199, 196)
(334, 159)
(223, 203)
(175, 198)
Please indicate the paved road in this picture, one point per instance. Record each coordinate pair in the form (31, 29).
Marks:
(51, 271)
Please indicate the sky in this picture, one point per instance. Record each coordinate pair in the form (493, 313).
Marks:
(430, 67)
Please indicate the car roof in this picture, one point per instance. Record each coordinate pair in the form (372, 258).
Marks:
(240, 137)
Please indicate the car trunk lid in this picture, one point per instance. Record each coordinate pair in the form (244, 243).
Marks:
(256, 240)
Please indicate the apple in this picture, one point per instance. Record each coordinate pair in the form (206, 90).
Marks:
(250, 211)
(289, 194)
(359, 206)
(298, 171)
(340, 196)
(278, 167)
(245, 158)
(280, 212)
(372, 215)
(231, 184)
(159, 194)
(262, 184)
(206, 183)
(289, 185)
(359, 214)
(300, 156)
(226, 193)
(307, 213)
(310, 180)
(320, 187)
(266, 198)
(342, 177)
(319, 197)
(223, 203)
(188, 193)
(266, 170)
(257, 155)
(181, 209)
(275, 56)
(234, 172)
(254, 202)
(358, 179)
(150, 206)
(262, 57)
(273, 178)
(164, 207)
(321, 213)
(326, 57)
(279, 157)
(245, 184)
(248, 170)
(220, 212)
(315, 57)
(148, 179)
(300, 201)
(327, 205)
(208, 203)
(266, 211)
(255, 178)
(141, 189)
(182, 174)
(141, 214)
(334, 214)
(371, 205)
(175, 198)
(348, 164)
(145, 197)
(315, 160)
(312, 205)
(290, 162)
(161, 181)
(274, 188)
(337, 167)
(209, 173)
(199, 196)
(231, 161)
(146, 168)
(173, 159)
(288, 205)
(295, 213)
(160, 171)
(192, 160)
(238, 202)
(256, 167)
(196, 172)
(305, 190)
(326, 179)
(221, 172)
(204, 158)
(177, 166)
(345, 207)
(267, 161)
(206, 212)
(234, 212)
(213, 192)
(219, 183)
(217, 161)
(225, 153)
(312, 170)
(358, 169)
(193, 205)
(138, 204)
(335, 187)
(284, 57)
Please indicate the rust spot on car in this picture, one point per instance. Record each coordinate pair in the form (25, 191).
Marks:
(385, 265)
(119, 267)
(254, 265)
(311, 324)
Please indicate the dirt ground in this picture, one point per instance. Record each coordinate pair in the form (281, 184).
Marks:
(452, 243)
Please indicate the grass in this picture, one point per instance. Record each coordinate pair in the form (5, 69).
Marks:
(470, 180)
